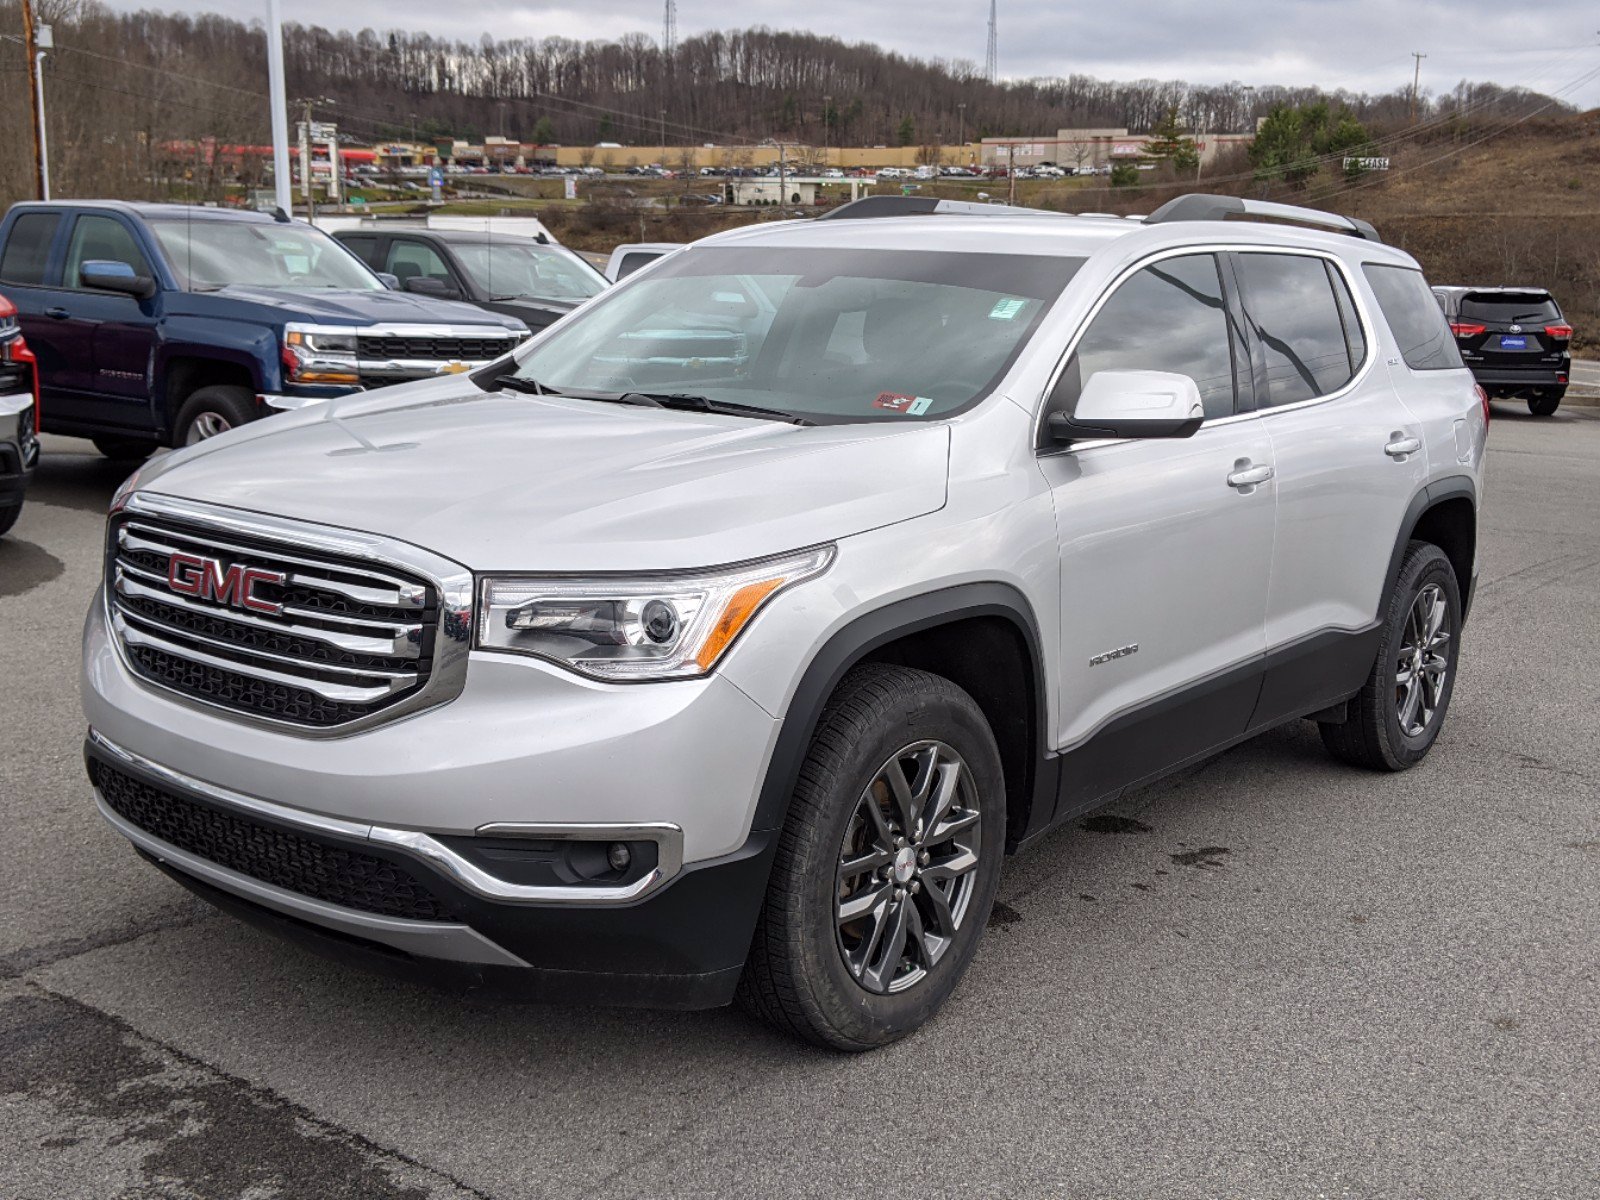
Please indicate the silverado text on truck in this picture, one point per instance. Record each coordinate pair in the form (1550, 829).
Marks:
(723, 639)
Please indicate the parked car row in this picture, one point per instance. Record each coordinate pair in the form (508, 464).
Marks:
(157, 324)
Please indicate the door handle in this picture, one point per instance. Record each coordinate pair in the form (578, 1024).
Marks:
(59, 314)
(1399, 447)
(1245, 477)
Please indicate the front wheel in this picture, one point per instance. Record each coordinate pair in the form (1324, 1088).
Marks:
(1393, 722)
(887, 865)
(8, 517)
(213, 410)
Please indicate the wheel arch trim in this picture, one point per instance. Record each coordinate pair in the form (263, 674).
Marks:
(871, 631)
(1430, 496)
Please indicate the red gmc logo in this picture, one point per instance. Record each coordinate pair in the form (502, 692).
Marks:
(191, 575)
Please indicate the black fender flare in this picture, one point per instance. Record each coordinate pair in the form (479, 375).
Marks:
(1449, 487)
(865, 634)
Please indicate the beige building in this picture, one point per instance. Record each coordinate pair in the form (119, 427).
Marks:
(1082, 148)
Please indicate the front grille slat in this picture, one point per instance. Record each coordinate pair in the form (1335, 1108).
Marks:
(373, 348)
(288, 859)
(336, 642)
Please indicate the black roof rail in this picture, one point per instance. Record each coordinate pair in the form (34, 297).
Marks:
(917, 206)
(1217, 208)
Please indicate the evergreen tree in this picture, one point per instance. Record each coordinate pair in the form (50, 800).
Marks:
(1292, 142)
(908, 132)
(1168, 143)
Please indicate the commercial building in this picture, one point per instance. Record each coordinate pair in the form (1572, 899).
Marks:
(1083, 148)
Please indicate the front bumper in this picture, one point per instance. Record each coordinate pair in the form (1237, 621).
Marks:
(19, 454)
(682, 947)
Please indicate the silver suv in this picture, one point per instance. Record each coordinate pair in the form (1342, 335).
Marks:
(722, 642)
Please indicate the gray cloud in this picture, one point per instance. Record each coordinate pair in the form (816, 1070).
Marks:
(1362, 45)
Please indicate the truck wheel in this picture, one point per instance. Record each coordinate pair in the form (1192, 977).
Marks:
(886, 867)
(213, 410)
(8, 517)
(1394, 720)
(124, 449)
(1544, 404)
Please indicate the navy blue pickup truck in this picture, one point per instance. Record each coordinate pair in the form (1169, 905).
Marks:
(162, 324)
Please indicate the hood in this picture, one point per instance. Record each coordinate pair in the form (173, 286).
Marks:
(500, 481)
(340, 307)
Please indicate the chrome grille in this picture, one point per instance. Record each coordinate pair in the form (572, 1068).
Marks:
(326, 641)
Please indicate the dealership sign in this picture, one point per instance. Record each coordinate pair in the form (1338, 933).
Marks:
(1366, 164)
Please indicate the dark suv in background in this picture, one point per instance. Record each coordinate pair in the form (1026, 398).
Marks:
(1515, 340)
(162, 324)
(521, 277)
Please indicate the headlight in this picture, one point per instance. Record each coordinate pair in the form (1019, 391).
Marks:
(318, 356)
(647, 627)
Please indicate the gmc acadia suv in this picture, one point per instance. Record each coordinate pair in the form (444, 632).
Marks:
(723, 639)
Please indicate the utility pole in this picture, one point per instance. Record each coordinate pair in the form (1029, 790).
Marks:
(277, 98)
(827, 128)
(961, 136)
(1416, 81)
(30, 48)
(1011, 172)
(661, 119)
(991, 66)
(305, 161)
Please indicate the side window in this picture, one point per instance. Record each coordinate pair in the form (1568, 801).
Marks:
(364, 248)
(410, 260)
(632, 262)
(1169, 316)
(1290, 302)
(28, 248)
(1426, 342)
(97, 238)
(1355, 340)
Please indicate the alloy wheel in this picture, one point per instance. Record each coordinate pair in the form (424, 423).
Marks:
(907, 867)
(206, 425)
(1424, 661)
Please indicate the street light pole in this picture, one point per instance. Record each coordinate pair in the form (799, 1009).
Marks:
(278, 99)
(961, 137)
(827, 129)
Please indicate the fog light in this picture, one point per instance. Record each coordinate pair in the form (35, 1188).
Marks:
(619, 856)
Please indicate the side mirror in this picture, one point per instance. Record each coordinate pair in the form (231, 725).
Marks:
(1132, 404)
(392, 282)
(422, 285)
(108, 275)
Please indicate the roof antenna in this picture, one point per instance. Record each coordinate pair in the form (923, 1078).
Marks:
(279, 215)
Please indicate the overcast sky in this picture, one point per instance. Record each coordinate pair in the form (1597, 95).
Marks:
(1357, 44)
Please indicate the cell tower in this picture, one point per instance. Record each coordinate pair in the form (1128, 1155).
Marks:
(991, 66)
(669, 28)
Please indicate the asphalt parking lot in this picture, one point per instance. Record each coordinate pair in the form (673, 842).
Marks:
(1271, 976)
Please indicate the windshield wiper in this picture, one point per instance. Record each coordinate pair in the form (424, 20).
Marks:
(692, 403)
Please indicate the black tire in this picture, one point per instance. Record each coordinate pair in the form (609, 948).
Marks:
(8, 517)
(1372, 735)
(212, 410)
(124, 449)
(1544, 404)
(796, 978)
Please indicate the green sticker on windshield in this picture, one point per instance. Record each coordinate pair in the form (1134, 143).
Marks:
(1006, 310)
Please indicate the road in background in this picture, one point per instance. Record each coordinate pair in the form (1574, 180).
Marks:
(1271, 976)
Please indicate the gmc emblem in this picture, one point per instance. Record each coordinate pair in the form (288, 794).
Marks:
(191, 575)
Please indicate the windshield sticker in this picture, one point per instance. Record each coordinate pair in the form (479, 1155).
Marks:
(1007, 310)
(913, 406)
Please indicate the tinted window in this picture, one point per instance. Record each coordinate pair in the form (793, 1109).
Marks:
(413, 260)
(1170, 316)
(101, 239)
(28, 247)
(364, 248)
(1414, 317)
(630, 263)
(1355, 339)
(1529, 308)
(1290, 303)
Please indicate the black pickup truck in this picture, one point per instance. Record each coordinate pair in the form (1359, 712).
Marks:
(162, 324)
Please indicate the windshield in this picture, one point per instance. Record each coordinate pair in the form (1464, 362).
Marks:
(827, 335)
(209, 254)
(1510, 306)
(505, 270)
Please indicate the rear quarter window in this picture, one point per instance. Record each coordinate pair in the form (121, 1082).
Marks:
(1414, 317)
(27, 249)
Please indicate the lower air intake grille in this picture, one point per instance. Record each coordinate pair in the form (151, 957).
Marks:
(292, 861)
